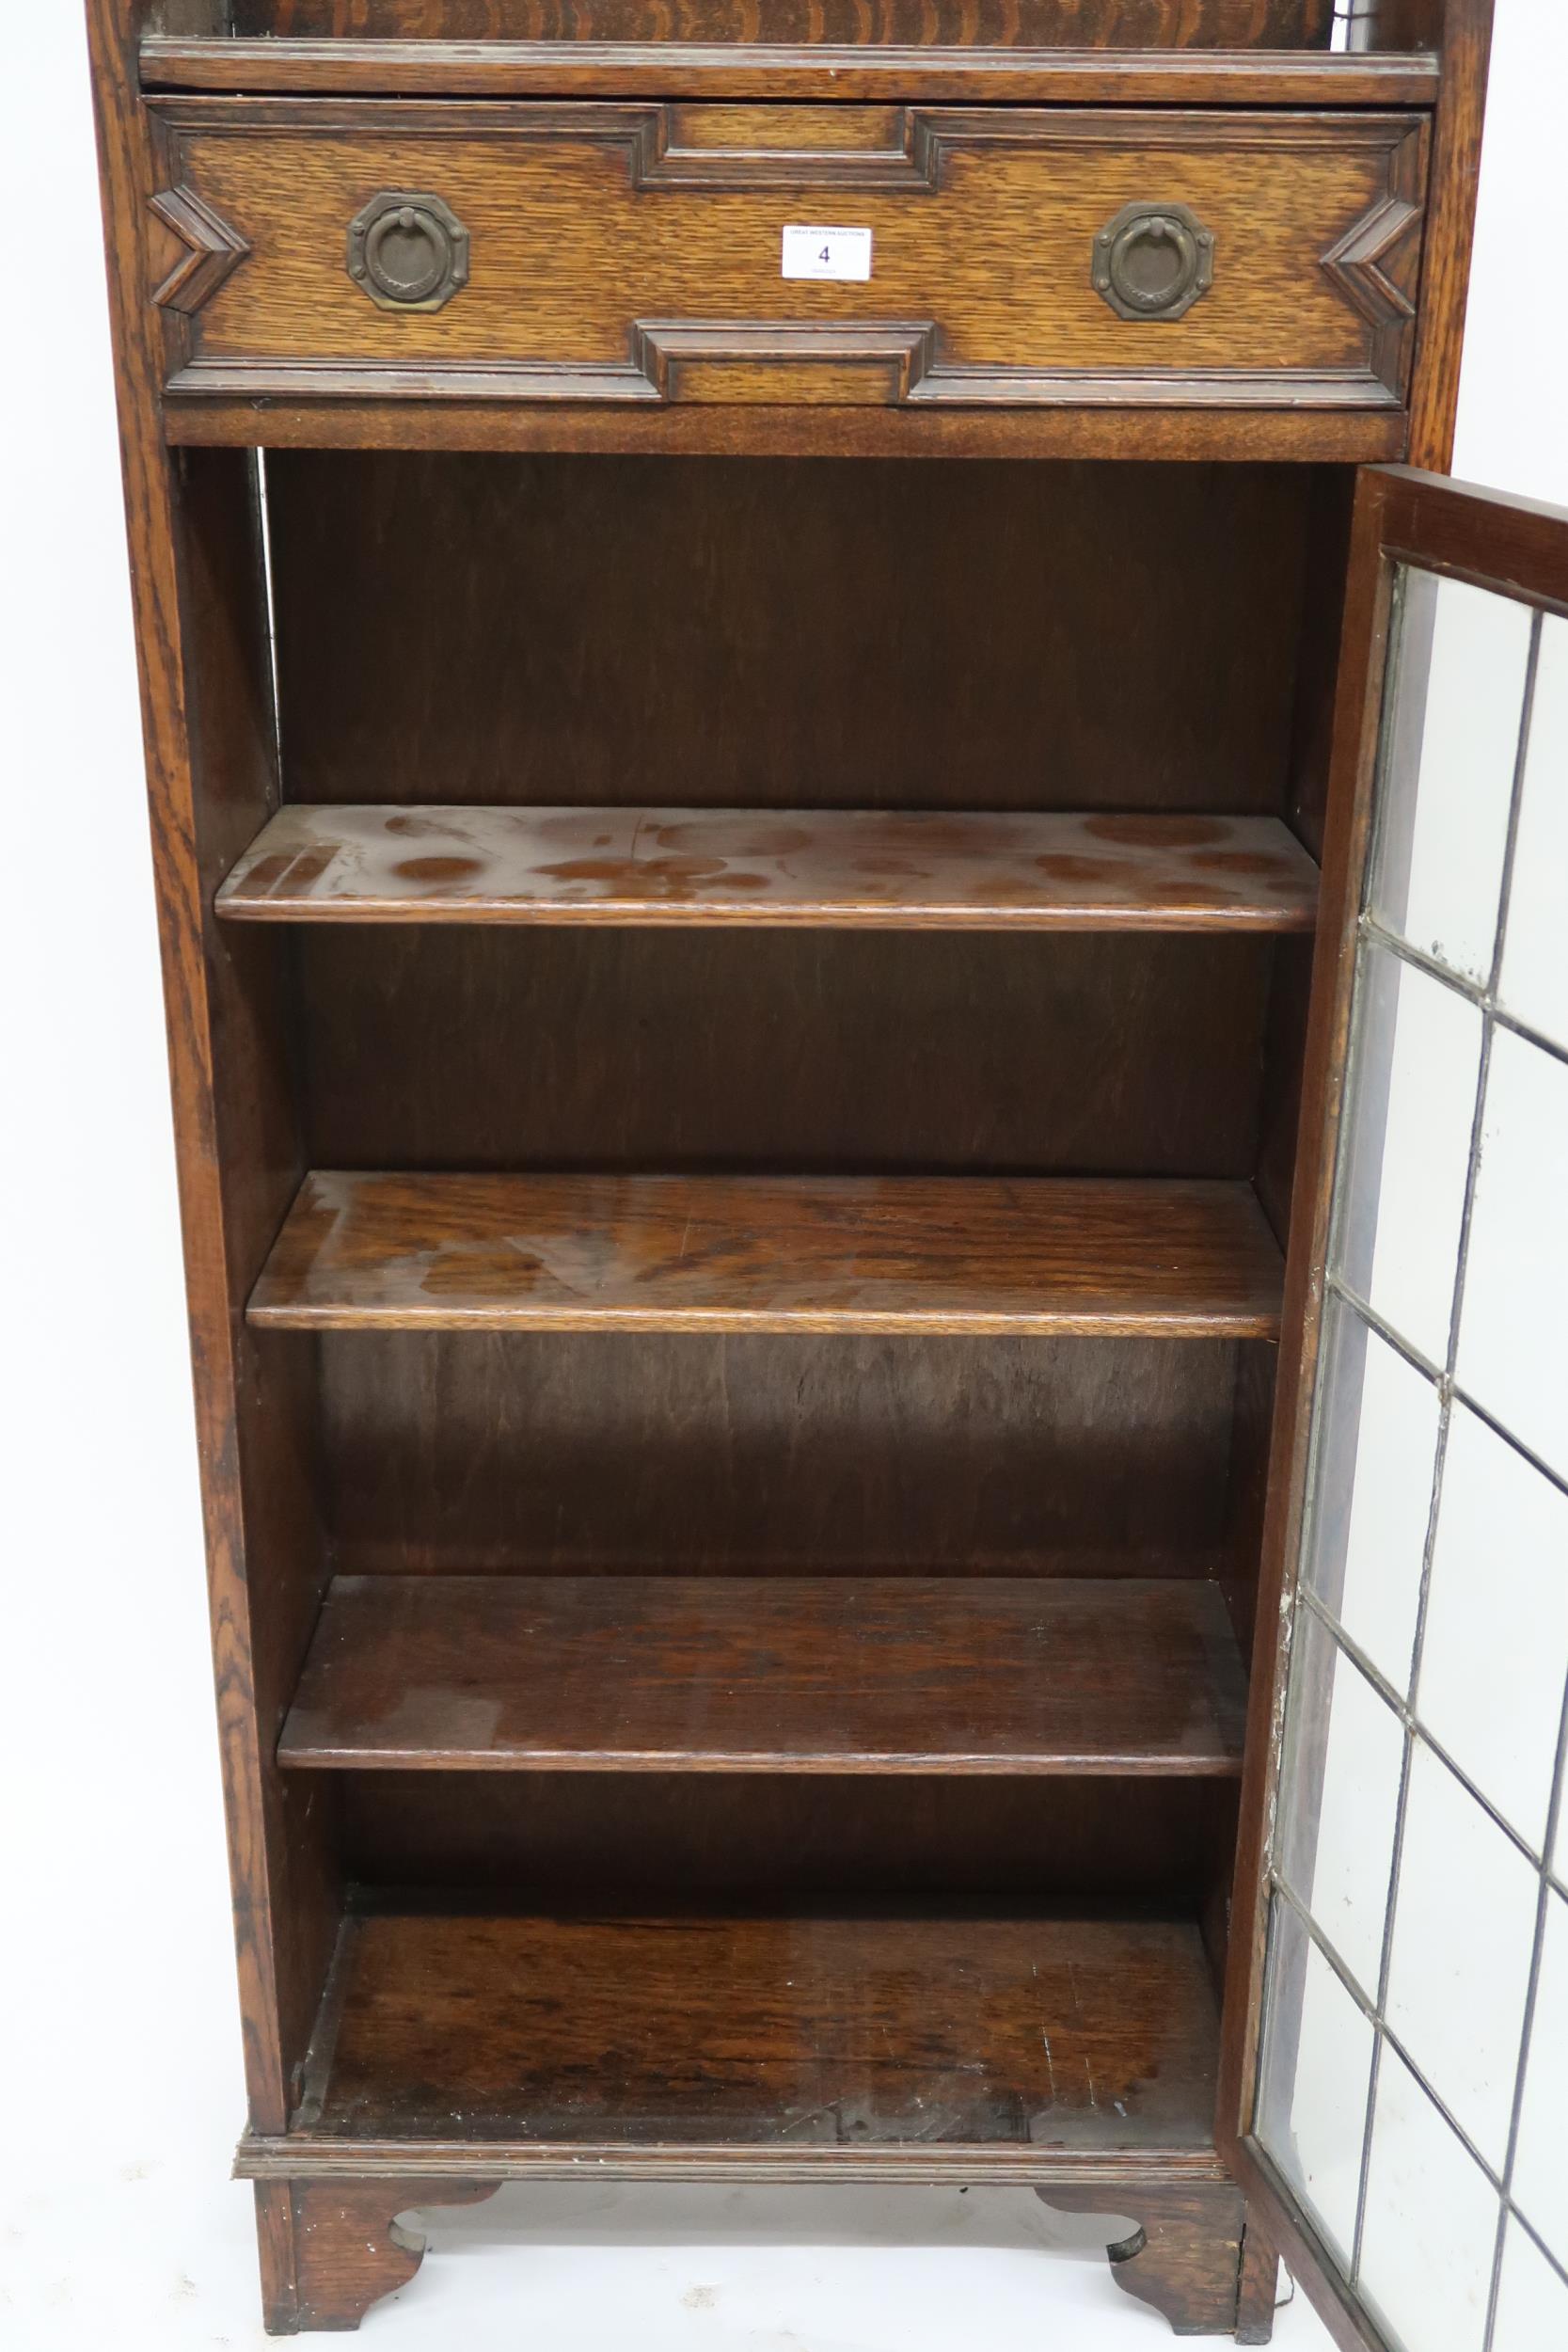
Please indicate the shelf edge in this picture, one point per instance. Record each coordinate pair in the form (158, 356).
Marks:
(340, 68)
(303, 1756)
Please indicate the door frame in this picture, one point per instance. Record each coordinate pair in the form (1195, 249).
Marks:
(1512, 547)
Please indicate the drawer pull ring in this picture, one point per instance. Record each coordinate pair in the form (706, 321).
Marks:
(1153, 261)
(409, 253)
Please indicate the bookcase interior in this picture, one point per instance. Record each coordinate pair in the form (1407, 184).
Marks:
(854, 1624)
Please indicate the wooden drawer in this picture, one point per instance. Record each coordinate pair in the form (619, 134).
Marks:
(632, 252)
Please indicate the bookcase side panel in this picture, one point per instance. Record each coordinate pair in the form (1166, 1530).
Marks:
(199, 610)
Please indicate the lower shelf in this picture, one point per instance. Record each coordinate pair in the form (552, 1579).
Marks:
(866, 2042)
(1134, 1674)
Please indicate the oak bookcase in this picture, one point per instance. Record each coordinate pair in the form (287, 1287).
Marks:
(754, 873)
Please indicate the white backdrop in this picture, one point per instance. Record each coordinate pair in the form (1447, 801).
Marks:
(118, 2226)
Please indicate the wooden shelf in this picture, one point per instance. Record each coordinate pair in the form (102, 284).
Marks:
(1052, 76)
(762, 1253)
(826, 2039)
(770, 1674)
(837, 868)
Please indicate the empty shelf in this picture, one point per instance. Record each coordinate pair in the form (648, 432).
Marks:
(760, 1253)
(821, 2040)
(825, 867)
(770, 1674)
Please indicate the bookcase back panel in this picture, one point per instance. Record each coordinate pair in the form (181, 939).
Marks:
(786, 633)
(472, 1049)
(740, 633)
(756, 1838)
(997, 23)
(567, 1454)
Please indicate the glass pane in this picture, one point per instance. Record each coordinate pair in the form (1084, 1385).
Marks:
(1532, 2299)
(1317, 2074)
(1426, 1710)
(1409, 1121)
(1377, 1448)
(1344, 1754)
(1535, 962)
(1447, 782)
(1431, 2230)
(1513, 1357)
(1495, 1653)
(1540, 2160)
(1463, 1938)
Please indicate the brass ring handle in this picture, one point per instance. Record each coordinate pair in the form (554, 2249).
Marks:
(409, 253)
(1153, 261)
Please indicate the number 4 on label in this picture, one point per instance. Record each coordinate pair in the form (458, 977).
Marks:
(813, 251)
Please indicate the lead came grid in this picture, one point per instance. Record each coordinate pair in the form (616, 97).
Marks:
(1415, 2066)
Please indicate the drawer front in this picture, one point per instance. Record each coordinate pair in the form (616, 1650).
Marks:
(634, 253)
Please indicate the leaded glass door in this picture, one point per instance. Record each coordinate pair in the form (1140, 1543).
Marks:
(1398, 2012)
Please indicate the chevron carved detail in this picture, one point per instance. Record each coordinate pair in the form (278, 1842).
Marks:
(1356, 263)
(215, 250)
(1375, 266)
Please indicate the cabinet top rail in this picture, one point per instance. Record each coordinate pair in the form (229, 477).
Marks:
(508, 68)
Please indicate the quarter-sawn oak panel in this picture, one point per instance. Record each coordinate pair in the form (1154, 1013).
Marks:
(632, 252)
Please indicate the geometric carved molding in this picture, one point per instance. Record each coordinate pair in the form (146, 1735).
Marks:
(898, 363)
(215, 250)
(1358, 267)
(1356, 263)
(895, 355)
(657, 158)
(901, 359)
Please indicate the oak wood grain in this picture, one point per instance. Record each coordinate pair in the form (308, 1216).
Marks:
(827, 1454)
(791, 2033)
(791, 1674)
(209, 739)
(1042, 637)
(1184, 2258)
(600, 271)
(499, 1048)
(955, 870)
(770, 1254)
(1517, 547)
(332, 2249)
(1466, 35)
(782, 70)
(629, 630)
(1344, 436)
